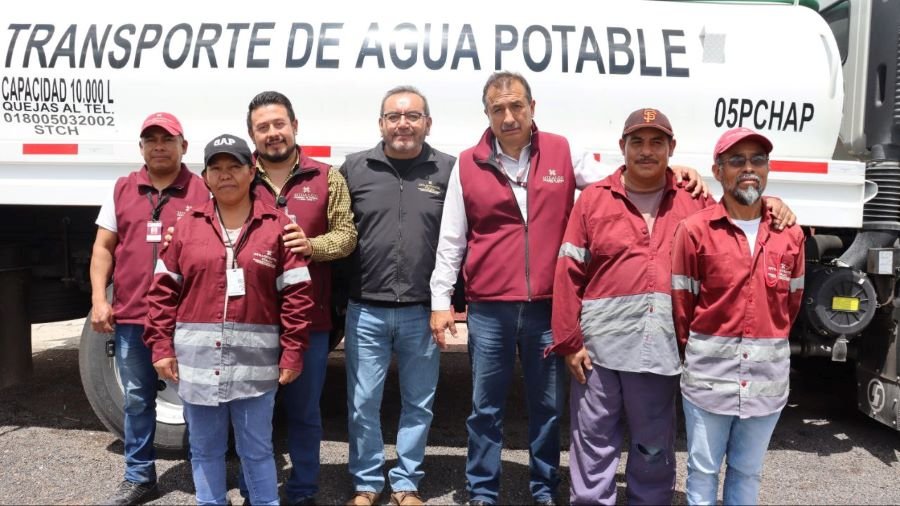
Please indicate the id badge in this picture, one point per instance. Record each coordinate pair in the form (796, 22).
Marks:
(235, 278)
(154, 231)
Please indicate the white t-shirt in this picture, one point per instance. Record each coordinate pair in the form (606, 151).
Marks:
(750, 228)
(107, 216)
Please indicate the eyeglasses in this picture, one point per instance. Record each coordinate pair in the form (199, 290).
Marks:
(412, 117)
(740, 161)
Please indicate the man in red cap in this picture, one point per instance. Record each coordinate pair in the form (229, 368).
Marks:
(612, 319)
(737, 284)
(129, 230)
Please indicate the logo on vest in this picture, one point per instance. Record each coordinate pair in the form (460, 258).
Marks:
(552, 178)
(265, 259)
(179, 214)
(306, 195)
(430, 187)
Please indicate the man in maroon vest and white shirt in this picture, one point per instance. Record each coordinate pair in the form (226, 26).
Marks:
(506, 208)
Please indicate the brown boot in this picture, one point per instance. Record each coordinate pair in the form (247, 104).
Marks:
(362, 498)
(406, 498)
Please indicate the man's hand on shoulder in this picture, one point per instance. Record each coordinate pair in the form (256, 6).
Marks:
(782, 216)
(689, 179)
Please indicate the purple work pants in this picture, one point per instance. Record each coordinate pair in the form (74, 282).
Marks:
(599, 410)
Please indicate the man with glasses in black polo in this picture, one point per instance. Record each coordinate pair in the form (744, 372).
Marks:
(397, 191)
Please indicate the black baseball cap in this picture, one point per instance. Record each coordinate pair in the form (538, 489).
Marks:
(227, 143)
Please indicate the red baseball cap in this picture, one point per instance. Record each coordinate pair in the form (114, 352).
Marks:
(736, 135)
(647, 118)
(165, 120)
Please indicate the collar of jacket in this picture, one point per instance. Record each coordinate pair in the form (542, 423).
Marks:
(303, 163)
(257, 212)
(376, 154)
(719, 217)
(184, 175)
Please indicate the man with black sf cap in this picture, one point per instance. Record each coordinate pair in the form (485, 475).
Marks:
(228, 322)
(612, 318)
(129, 229)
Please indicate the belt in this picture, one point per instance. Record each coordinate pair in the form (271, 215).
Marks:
(390, 303)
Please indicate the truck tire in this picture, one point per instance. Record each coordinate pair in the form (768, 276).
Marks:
(100, 379)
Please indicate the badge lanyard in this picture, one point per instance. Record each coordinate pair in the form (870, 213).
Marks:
(234, 275)
(154, 226)
(520, 182)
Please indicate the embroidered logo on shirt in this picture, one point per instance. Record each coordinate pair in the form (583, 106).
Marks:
(430, 187)
(265, 259)
(552, 178)
(179, 214)
(306, 195)
(784, 272)
(776, 269)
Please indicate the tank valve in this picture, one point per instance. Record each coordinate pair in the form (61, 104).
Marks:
(839, 350)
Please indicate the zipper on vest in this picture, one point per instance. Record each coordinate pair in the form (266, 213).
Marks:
(527, 256)
(512, 194)
(527, 264)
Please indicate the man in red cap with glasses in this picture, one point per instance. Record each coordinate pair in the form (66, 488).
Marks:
(612, 319)
(129, 230)
(737, 284)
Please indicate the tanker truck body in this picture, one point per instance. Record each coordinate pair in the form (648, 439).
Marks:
(78, 79)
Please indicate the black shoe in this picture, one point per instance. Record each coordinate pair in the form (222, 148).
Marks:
(545, 501)
(309, 500)
(130, 492)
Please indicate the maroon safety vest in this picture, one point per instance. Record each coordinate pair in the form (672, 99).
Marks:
(508, 260)
(305, 197)
(136, 201)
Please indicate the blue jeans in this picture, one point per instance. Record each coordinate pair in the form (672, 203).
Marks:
(301, 405)
(710, 438)
(300, 400)
(372, 334)
(496, 331)
(252, 422)
(139, 381)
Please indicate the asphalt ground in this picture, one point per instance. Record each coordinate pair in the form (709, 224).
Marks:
(53, 450)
